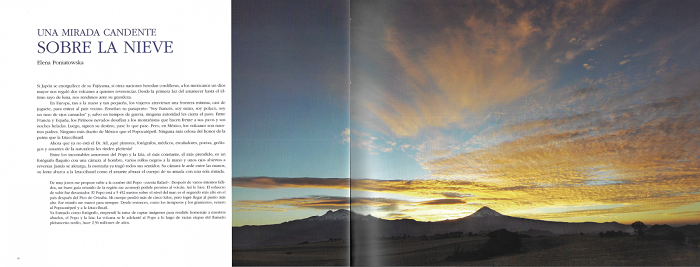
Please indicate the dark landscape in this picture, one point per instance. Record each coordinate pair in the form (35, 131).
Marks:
(472, 240)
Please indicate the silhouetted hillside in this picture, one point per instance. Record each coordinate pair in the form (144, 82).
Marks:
(336, 225)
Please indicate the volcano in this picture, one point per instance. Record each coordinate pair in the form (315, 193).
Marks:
(484, 212)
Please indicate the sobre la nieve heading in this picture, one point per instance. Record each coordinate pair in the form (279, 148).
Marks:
(82, 47)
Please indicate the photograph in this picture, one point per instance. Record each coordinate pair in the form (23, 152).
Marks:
(450, 133)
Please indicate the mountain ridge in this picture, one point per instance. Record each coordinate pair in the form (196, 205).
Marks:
(340, 214)
(337, 224)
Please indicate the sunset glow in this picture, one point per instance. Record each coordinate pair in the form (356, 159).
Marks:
(565, 110)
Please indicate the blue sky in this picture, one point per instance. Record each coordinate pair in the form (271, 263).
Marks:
(289, 88)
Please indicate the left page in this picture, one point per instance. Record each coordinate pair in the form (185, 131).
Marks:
(117, 133)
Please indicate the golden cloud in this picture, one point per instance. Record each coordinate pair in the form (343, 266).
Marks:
(639, 151)
(280, 182)
(641, 155)
(647, 166)
(313, 202)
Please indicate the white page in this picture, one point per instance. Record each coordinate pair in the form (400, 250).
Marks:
(199, 36)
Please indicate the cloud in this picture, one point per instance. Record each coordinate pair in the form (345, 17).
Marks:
(440, 153)
(378, 202)
(312, 202)
(481, 73)
(636, 149)
(647, 193)
(585, 46)
(333, 202)
(575, 18)
(447, 201)
(456, 195)
(473, 69)
(345, 135)
(366, 141)
(450, 63)
(431, 189)
(248, 207)
(639, 149)
(686, 213)
(303, 182)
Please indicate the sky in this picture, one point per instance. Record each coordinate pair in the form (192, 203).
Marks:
(428, 110)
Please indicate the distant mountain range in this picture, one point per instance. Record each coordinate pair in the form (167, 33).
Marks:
(337, 224)
(333, 224)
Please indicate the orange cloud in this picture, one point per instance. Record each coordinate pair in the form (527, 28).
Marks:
(303, 182)
(593, 159)
(331, 202)
(637, 152)
(313, 202)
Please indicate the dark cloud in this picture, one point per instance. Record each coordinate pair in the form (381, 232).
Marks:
(429, 64)
(456, 195)
(447, 201)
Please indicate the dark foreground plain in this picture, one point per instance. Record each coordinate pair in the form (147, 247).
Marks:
(573, 250)
(327, 253)
(595, 251)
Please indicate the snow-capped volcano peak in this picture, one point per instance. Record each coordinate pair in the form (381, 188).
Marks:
(341, 214)
(485, 212)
